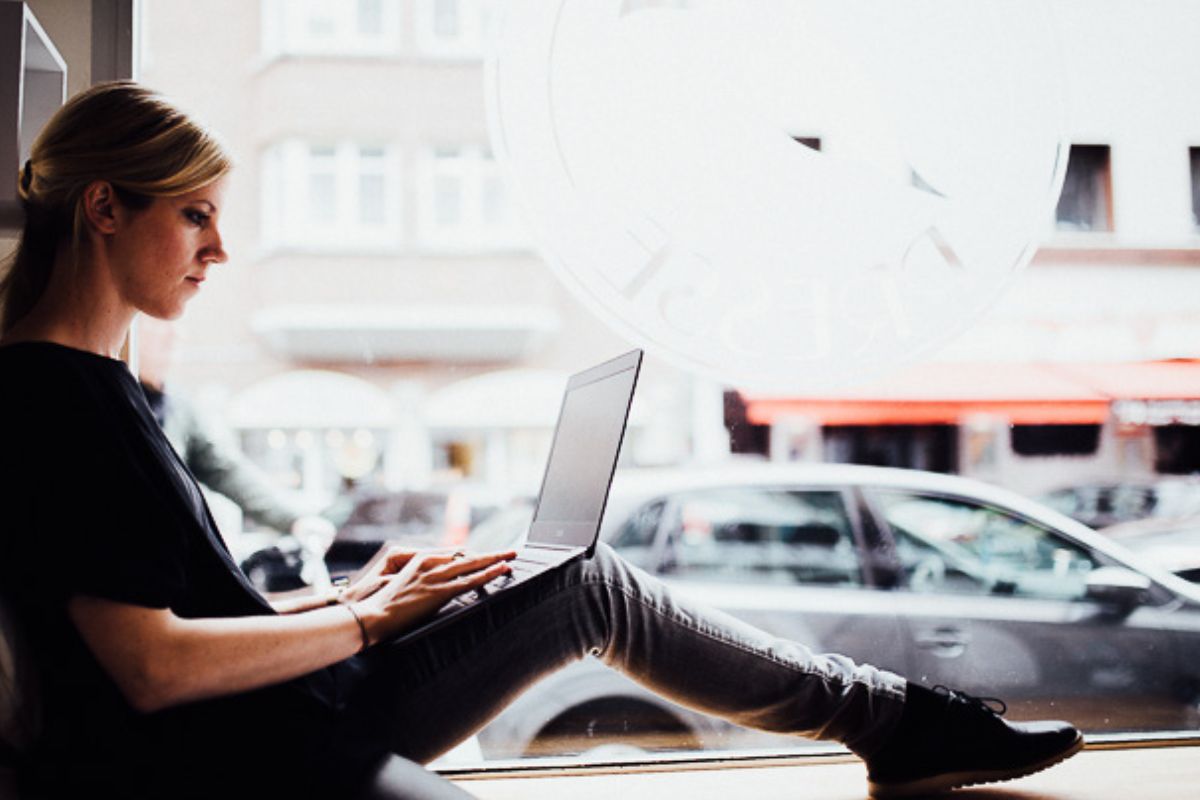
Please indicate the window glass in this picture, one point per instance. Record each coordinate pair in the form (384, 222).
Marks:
(341, 196)
(464, 201)
(395, 323)
(322, 186)
(324, 27)
(456, 29)
(1194, 161)
(637, 535)
(445, 18)
(370, 17)
(951, 545)
(776, 536)
(1065, 440)
(1085, 203)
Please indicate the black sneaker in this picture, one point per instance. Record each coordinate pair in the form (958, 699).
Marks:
(947, 739)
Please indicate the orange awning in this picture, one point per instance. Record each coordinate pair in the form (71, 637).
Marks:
(1024, 394)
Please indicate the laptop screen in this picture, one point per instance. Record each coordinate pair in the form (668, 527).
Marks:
(584, 453)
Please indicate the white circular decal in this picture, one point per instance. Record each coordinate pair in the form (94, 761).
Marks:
(783, 195)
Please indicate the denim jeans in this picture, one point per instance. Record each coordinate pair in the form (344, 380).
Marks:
(426, 696)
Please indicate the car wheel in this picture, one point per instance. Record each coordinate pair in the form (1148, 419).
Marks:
(612, 729)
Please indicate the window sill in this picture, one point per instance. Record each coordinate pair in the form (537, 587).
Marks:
(1107, 770)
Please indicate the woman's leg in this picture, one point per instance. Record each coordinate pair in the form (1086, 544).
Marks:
(433, 693)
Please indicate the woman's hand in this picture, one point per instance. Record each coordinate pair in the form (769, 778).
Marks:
(375, 575)
(410, 586)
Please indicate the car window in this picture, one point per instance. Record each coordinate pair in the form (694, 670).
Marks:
(953, 545)
(752, 534)
(635, 538)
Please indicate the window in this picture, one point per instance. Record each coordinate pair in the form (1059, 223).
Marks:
(931, 447)
(636, 538)
(464, 201)
(1055, 440)
(341, 196)
(326, 27)
(951, 545)
(1086, 200)
(1194, 161)
(762, 536)
(453, 28)
(1177, 449)
(373, 165)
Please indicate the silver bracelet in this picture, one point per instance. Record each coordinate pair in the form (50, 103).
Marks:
(362, 629)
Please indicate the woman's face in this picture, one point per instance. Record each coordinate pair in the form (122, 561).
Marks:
(162, 253)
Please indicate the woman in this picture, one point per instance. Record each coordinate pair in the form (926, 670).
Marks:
(164, 674)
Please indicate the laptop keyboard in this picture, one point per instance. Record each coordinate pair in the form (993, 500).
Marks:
(523, 568)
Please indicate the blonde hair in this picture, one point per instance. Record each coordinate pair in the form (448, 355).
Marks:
(120, 132)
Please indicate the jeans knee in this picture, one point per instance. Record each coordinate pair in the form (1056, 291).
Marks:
(605, 566)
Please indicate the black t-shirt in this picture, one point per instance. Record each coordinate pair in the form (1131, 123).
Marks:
(94, 501)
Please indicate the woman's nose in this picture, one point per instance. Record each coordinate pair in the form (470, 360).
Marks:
(215, 251)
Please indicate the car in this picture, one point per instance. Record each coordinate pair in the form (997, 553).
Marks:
(940, 578)
(1173, 544)
(1105, 503)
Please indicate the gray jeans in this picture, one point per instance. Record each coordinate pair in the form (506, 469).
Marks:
(427, 696)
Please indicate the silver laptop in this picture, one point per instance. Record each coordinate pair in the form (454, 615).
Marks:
(579, 472)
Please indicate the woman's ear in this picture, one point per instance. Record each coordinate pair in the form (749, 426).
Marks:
(100, 207)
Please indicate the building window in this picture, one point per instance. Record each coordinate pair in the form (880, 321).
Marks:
(928, 447)
(1177, 449)
(453, 28)
(330, 27)
(1086, 200)
(464, 200)
(1055, 440)
(1194, 157)
(330, 196)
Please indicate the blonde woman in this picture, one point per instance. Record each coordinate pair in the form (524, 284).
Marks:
(165, 674)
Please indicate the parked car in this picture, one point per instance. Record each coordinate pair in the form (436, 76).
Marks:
(942, 579)
(1173, 544)
(1105, 503)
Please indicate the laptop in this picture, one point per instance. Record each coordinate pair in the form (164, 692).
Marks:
(579, 473)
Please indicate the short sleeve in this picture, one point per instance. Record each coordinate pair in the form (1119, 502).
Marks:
(100, 517)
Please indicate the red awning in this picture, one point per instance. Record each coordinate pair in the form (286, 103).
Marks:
(1024, 394)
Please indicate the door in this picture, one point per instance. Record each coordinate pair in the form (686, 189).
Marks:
(996, 605)
(786, 559)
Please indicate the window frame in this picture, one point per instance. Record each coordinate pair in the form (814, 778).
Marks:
(287, 168)
(1194, 174)
(469, 44)
(868, 580)
(1157, 595)
(475, 166)
(284, 30)
(1107, 225)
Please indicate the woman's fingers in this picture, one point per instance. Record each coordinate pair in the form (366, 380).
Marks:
(477, 579)
(462, 565)
(396, 558)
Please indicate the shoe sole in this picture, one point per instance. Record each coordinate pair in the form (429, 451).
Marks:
(956, 780)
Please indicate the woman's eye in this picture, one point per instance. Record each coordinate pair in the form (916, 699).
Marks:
(196, 217)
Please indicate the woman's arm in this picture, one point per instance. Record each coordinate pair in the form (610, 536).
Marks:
(158, 659)
(302, 600)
